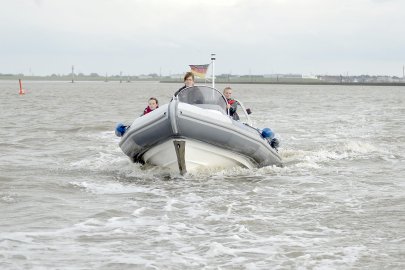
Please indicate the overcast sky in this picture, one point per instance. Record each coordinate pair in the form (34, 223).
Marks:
(248, 36)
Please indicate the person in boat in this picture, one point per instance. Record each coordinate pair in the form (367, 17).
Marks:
(188, 81)
(153, 104)
(232, 104)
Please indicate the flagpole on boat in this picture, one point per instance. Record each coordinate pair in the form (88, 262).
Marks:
(213, 69)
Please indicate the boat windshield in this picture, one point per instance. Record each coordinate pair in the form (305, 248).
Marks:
(203, 97)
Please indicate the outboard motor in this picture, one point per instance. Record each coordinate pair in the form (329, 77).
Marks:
(120, 129)
(268, 134)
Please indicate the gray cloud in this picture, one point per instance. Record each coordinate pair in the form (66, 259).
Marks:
(311, 36)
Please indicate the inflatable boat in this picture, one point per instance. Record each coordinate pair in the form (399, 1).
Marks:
(195, 130)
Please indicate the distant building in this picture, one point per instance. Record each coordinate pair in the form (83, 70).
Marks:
(287, 76)
(310, 77)
(292, 76)
(331, 79)
(144, 77)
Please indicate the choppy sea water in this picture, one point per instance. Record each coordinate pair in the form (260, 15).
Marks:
(70, 199)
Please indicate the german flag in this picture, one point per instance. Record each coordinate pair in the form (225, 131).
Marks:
(199, 70)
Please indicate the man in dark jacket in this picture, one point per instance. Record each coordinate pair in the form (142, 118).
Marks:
(188, 82)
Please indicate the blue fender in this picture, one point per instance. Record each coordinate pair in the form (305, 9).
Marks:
(120, 129)
(267, 133)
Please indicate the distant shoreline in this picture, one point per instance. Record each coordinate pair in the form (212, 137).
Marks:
(198, 81)
(302, 83)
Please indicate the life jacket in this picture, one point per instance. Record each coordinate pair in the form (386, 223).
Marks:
(231, 101)
(148, 110)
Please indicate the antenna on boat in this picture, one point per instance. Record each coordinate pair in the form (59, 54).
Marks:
(213, 69)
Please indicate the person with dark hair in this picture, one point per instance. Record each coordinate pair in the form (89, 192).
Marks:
(232, 104)
(153, 104)
(188, 81)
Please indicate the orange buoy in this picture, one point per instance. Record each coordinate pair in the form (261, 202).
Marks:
(22, 92)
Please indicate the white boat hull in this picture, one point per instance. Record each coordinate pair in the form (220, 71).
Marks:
(197, 155)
